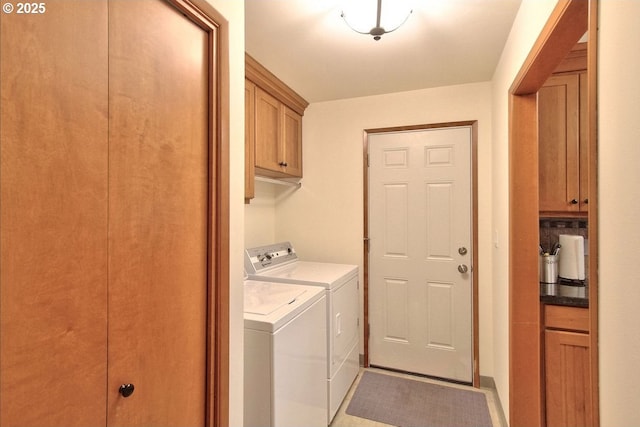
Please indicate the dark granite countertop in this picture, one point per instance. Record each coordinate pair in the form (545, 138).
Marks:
(565, 293)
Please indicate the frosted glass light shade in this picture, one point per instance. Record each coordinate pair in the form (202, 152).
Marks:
(362, 15)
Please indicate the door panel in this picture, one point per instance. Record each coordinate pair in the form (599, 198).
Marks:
(158, 204)
(396, 212)
(396, 312)
(558, 143)
(268, 130)
(439, 214)
(583, 125)
(291, 137)
(419, 215)
(53, 246)
(440, 333)
(568, 384)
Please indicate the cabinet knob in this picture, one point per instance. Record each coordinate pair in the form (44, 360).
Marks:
(283, 164)
(126, 390)
(586, 201)
(574, 201)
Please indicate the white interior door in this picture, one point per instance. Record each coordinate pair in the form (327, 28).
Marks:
(420, 231)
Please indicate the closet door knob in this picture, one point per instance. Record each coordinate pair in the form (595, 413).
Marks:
(126, 390)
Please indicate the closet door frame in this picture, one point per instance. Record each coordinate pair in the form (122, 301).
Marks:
(217, 381)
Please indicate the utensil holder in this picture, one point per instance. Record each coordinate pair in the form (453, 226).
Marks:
(549, 268)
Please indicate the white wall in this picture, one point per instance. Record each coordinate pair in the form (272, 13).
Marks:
(324, 219)
(260, 216)
(530, 20)
(233, 11)
(619, 176)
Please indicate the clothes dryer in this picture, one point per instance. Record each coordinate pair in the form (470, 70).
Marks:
(279, 263)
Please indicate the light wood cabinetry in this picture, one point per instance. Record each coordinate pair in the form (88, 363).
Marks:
(291, 150)
(273, 127)
(567, 366)
(278, 137)
(563, 139)
(249, 139)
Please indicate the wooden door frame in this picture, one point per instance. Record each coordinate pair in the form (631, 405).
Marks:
(567, 23)
(474, 236)
(217, 375)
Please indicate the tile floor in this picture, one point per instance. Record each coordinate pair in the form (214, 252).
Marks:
(344, 420)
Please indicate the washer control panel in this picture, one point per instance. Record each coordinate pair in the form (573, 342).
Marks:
(264, 257)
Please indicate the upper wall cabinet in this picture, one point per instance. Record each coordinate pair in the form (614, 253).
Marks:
(563, 142)
(273, 126)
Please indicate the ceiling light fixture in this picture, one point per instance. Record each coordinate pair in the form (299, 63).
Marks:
(359, 15)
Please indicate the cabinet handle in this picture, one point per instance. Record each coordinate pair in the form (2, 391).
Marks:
(126, 390)
(284, 164)
(574, 201)
(586, 201)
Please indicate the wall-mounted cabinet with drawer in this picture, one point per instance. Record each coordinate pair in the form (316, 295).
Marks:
(563, 143)
(273, 127)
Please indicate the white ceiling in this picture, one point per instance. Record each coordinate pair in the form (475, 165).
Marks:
(444, 42)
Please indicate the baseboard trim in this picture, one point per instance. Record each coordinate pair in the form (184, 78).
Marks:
(489, 383)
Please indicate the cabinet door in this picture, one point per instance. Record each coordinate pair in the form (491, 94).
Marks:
(53, 214)
(584, 144)
(292, 142)
(559, 144)
(567, 377)
(268, 131)
(249, 139)
(158, 214)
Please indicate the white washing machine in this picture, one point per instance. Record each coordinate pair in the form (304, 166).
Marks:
(285, 354)
(279, 263)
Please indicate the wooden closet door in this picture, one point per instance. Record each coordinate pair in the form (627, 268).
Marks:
(158, 214)
(53, 215)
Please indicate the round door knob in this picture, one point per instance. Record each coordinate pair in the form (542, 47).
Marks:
(126, 390)
(285, 164)
(574, 201)
(463, 268)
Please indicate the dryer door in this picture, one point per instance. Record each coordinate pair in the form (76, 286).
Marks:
(344, 318)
